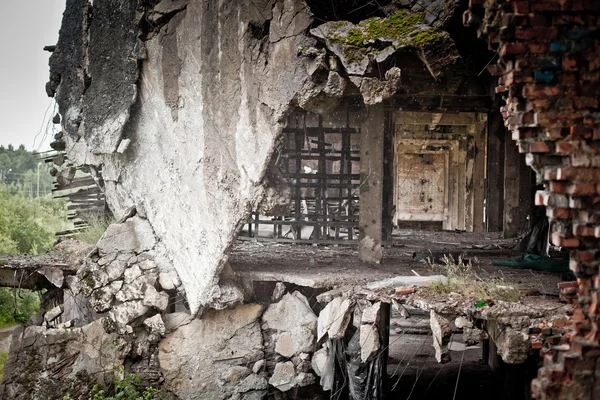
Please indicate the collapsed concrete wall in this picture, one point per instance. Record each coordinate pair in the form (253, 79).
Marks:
(176, 106)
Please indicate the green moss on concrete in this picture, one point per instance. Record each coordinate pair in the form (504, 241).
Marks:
(403, 29)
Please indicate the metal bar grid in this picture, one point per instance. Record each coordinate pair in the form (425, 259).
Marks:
(321, 167)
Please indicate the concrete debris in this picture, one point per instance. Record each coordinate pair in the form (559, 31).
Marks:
(473, 336)
(359, 47)
(370, 315)
(299, 340)
(258, 366)
(167, 280)
(155, 324)
(513, 345)
(126, 312)
(442, 332)
(132, 236)
(321, 97)
(462, 322)
(54, 313)
(54, 275)
(194, 355)
(123, 146)
(334, 319)
(278, 292)
(319, 360)
(374, 90)
(305, 379)
(406, 281)
(291, 311)
(235, 374)
(80, 354)
(369, 342)
(284, 376)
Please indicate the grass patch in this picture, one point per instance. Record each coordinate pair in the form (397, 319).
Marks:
(3, 359)
(463, 280)
(97, 225)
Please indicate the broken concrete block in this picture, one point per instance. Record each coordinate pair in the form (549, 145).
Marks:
(473, 336)
(155, 324)
(235, 374)
(298, 340)
(54, 275)
(258, 366)
(305, 379)
(462, 322)
(278, 292)
(132, 236)
(440, 328)
(369, 342)
(319, 361)
(370, 315)
(166, 281)
(53, 313)
(334, 319)
(406, 281)
(513, 346)
(322, 97)
(124, 313)
(158, 300)
(284, 376)
(123, 145)
(292, 311)
(198, 351)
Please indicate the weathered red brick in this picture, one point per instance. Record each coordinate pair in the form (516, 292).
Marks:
(561, 241)
(558, 213)
(539, 147)
(521, 7)
(510, 49)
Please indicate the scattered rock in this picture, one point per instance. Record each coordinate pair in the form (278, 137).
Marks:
(370, 315)
(293, 310)
(155, 324)
(334, 319)
(305, 379)
(300, 339)
(132, 236)
(53, 314)
(158, 300)
(462, 322)
(319, 361)
(278, 292)
(258, 366)
(235, 374)
(440, 328)
(284, 376)
(369, 342)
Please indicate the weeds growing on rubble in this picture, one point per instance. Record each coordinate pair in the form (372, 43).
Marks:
(126, 388)
(463, 280)
(97, 225)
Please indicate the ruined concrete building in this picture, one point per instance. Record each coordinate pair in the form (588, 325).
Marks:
(279, 170)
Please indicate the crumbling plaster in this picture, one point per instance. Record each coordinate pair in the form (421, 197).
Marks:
(179, 119)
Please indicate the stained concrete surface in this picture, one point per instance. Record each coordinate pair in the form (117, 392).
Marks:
(334, 266)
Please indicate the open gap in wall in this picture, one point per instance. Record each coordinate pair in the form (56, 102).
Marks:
(347, 10)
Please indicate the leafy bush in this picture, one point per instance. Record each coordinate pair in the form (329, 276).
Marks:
(27, 304)
(126, 388)
(28, 225)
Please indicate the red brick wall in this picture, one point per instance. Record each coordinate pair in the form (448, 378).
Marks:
(548, 69)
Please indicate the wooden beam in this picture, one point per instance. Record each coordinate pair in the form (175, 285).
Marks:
(371, 185)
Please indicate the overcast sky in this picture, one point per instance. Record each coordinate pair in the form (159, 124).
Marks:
(27, 26)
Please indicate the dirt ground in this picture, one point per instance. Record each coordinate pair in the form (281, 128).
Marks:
(334, 266)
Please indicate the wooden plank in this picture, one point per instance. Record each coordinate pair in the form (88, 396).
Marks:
(479, 176)
(371, 186)
(495, 173)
